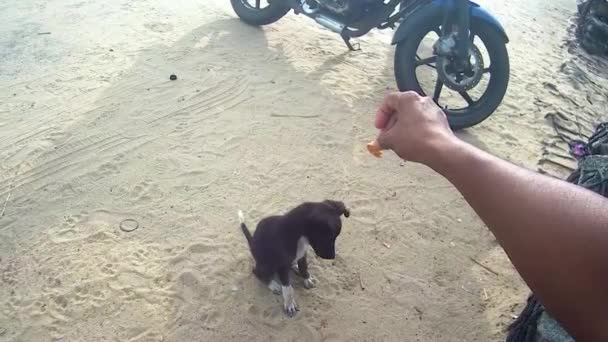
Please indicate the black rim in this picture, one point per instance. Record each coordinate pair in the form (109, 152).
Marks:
(256, 4)
(437, 91)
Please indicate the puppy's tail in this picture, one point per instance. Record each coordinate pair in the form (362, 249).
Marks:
(245, 229)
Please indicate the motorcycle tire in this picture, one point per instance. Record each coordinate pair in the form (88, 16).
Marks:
(254, 16)
(405, 69)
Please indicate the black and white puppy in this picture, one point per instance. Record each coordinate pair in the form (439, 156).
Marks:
(280, 242)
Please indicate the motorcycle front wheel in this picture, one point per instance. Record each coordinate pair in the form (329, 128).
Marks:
(259, 12)
(416, 69)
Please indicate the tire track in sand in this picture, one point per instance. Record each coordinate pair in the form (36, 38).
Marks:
(229, 92)
(93, 150)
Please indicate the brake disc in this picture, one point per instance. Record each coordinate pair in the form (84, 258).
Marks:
(461, 80)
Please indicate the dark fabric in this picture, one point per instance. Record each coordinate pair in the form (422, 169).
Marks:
(592, 173)
(597, 144)
(523, 329)
(593, 26)
(534, 324)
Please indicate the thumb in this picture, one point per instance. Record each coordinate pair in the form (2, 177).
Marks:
(385, 140)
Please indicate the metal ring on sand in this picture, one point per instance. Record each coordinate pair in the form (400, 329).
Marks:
(128, 225)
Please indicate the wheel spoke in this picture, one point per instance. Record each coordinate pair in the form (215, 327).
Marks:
(426, 61)
(257, 4)
(466, 97)
(438, 88)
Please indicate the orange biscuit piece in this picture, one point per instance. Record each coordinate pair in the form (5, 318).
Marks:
(374, 148)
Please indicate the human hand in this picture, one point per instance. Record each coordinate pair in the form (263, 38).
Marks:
(412, 126)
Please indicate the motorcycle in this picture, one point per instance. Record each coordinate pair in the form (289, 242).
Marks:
(465, 45)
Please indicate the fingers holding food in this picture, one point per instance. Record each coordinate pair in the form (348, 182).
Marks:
(373, 147)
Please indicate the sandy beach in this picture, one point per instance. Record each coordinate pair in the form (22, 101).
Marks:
(94, 134)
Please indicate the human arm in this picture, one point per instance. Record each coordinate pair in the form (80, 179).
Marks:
(555, 233)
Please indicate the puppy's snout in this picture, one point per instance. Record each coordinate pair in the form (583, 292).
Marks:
(328, 255)
(346, 213)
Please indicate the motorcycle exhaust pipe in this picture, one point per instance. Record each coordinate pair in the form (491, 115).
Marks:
(322, 19)
(329, 23)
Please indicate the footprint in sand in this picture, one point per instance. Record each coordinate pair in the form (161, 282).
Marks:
(94, 227)
(61, 301)
(193, 298)
(107, 170)
(8, 272)
(335, 279)
(145, 191)
(199, 255)
(332, 337)
(159, 27)
(108, 269)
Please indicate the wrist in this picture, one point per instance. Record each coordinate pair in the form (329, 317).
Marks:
(446, 153)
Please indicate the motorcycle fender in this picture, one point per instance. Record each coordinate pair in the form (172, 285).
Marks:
(434, 9)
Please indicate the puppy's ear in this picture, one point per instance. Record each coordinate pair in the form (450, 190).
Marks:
(338, 208)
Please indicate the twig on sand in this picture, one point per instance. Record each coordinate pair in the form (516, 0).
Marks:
(294, 116)
(5, 202)
(484, 266)
(361, 282)
(485, 294)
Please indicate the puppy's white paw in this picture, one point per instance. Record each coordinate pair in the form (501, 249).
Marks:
(291, 309)
(275, 287)
(310, 282)
(289, 301)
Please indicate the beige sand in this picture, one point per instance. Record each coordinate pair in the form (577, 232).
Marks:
(92, 132)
